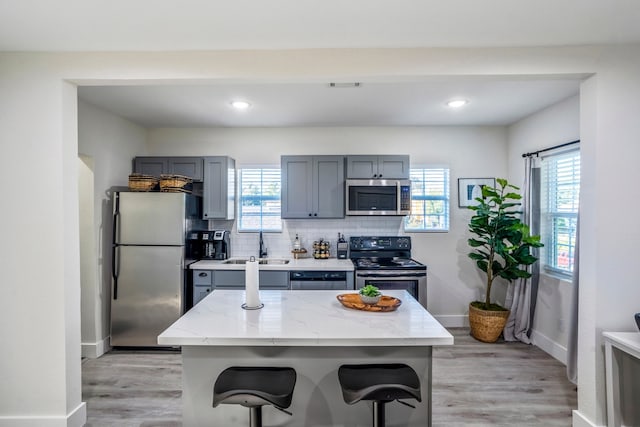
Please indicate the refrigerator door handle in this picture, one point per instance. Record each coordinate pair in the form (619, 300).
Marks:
(114, 247)
(114, 270)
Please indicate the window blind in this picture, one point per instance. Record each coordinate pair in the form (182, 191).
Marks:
(259, 199)
(559, 207)
(429, 200)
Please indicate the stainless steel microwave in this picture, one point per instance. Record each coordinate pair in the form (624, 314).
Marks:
(378, 197)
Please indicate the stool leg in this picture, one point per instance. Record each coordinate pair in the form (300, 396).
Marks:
(255, 416)
(378, 414)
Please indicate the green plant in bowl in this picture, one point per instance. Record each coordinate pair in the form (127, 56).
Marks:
(370, 294)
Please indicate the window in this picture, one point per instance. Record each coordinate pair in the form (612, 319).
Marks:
(259, 200)
(560, 184)
(429, 200)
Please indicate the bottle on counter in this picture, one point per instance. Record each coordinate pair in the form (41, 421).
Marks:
(296, 243)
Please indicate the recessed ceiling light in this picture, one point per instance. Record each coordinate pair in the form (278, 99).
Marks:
(240, 105)
(457, 103)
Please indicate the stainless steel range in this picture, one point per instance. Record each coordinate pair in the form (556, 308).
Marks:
(386, 262)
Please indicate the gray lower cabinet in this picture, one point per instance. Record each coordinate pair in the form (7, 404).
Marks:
(219, 188)
(312, 187)
(234, 279)
(187, 166)
(202, 284)
(378, 167)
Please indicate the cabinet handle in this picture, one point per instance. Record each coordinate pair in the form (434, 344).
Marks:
(315, 214)
(310, 214)
(380, 176)
(202, 274)
(375, 175)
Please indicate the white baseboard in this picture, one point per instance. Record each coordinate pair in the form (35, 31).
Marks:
(549, 346)
(580, 421)
(453, 320)
(96, 349)
(76, 418)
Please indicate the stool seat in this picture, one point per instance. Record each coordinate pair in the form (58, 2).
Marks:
(382, 382)
(255, 386)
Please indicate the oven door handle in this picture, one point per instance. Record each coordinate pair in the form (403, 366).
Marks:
(386, 275)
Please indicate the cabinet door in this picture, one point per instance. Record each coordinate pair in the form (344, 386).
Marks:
(274, 280)
(230, 279)
(362, 167)
(187, 166)
(393, 167)
(297, 186)
(199, 292)
(154, 166)
(219, 188)
(328, 186)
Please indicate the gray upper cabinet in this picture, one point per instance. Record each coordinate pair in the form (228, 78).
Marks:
(187, 166)
(219, 188)
(312, 187)
(151, 165)
(378, 167)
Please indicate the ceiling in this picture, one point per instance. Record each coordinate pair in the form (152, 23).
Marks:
(416, 103)
(172, 25)
(163, 25)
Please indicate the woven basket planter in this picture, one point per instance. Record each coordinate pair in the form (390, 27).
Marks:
(487, 325)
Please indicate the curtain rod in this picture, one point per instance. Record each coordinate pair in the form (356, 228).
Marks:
(535, 153)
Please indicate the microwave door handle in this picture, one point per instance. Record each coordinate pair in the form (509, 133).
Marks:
(398, 197)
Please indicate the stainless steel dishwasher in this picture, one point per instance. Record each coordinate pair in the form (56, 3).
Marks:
(318, 280)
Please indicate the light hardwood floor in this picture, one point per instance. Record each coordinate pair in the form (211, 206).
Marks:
(474, 384)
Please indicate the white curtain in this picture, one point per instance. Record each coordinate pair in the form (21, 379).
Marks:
(572, 345)
(522, 293)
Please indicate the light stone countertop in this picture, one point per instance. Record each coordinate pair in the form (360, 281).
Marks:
(309, 264)
(302, 318)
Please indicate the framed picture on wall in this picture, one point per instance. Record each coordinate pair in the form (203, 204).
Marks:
(471, 188)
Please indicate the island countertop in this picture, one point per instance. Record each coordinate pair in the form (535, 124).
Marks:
(303, 318)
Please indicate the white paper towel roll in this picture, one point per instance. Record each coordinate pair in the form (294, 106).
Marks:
(252, 284)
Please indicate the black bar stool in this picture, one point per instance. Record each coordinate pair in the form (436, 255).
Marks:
(380, 383)
(253, 387)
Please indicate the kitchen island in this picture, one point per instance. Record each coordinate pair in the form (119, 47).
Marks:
(312, 333)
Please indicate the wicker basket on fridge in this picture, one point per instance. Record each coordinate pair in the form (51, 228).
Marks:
(141, 182)
(175, 183)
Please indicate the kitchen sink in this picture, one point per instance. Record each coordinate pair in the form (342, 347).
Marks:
(271, 261)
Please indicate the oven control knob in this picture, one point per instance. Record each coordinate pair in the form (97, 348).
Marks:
(403, 243)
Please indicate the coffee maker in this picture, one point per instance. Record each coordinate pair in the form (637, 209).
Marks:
(221, 244)
(207, 245)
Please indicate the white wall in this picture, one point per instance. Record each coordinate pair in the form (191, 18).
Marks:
(38, 127)
(554, 125)
(453, 280)
(110, 142)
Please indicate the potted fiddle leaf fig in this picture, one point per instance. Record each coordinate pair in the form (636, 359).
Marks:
(501, 247)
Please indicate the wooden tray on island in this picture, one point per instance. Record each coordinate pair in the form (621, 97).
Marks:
(386, 303)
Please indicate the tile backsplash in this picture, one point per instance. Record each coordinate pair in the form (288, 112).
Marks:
(245, 244)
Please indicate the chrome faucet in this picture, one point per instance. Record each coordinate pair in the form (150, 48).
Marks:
(262, 252)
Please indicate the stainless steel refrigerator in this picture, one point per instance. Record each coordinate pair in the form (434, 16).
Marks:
(150, 254)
